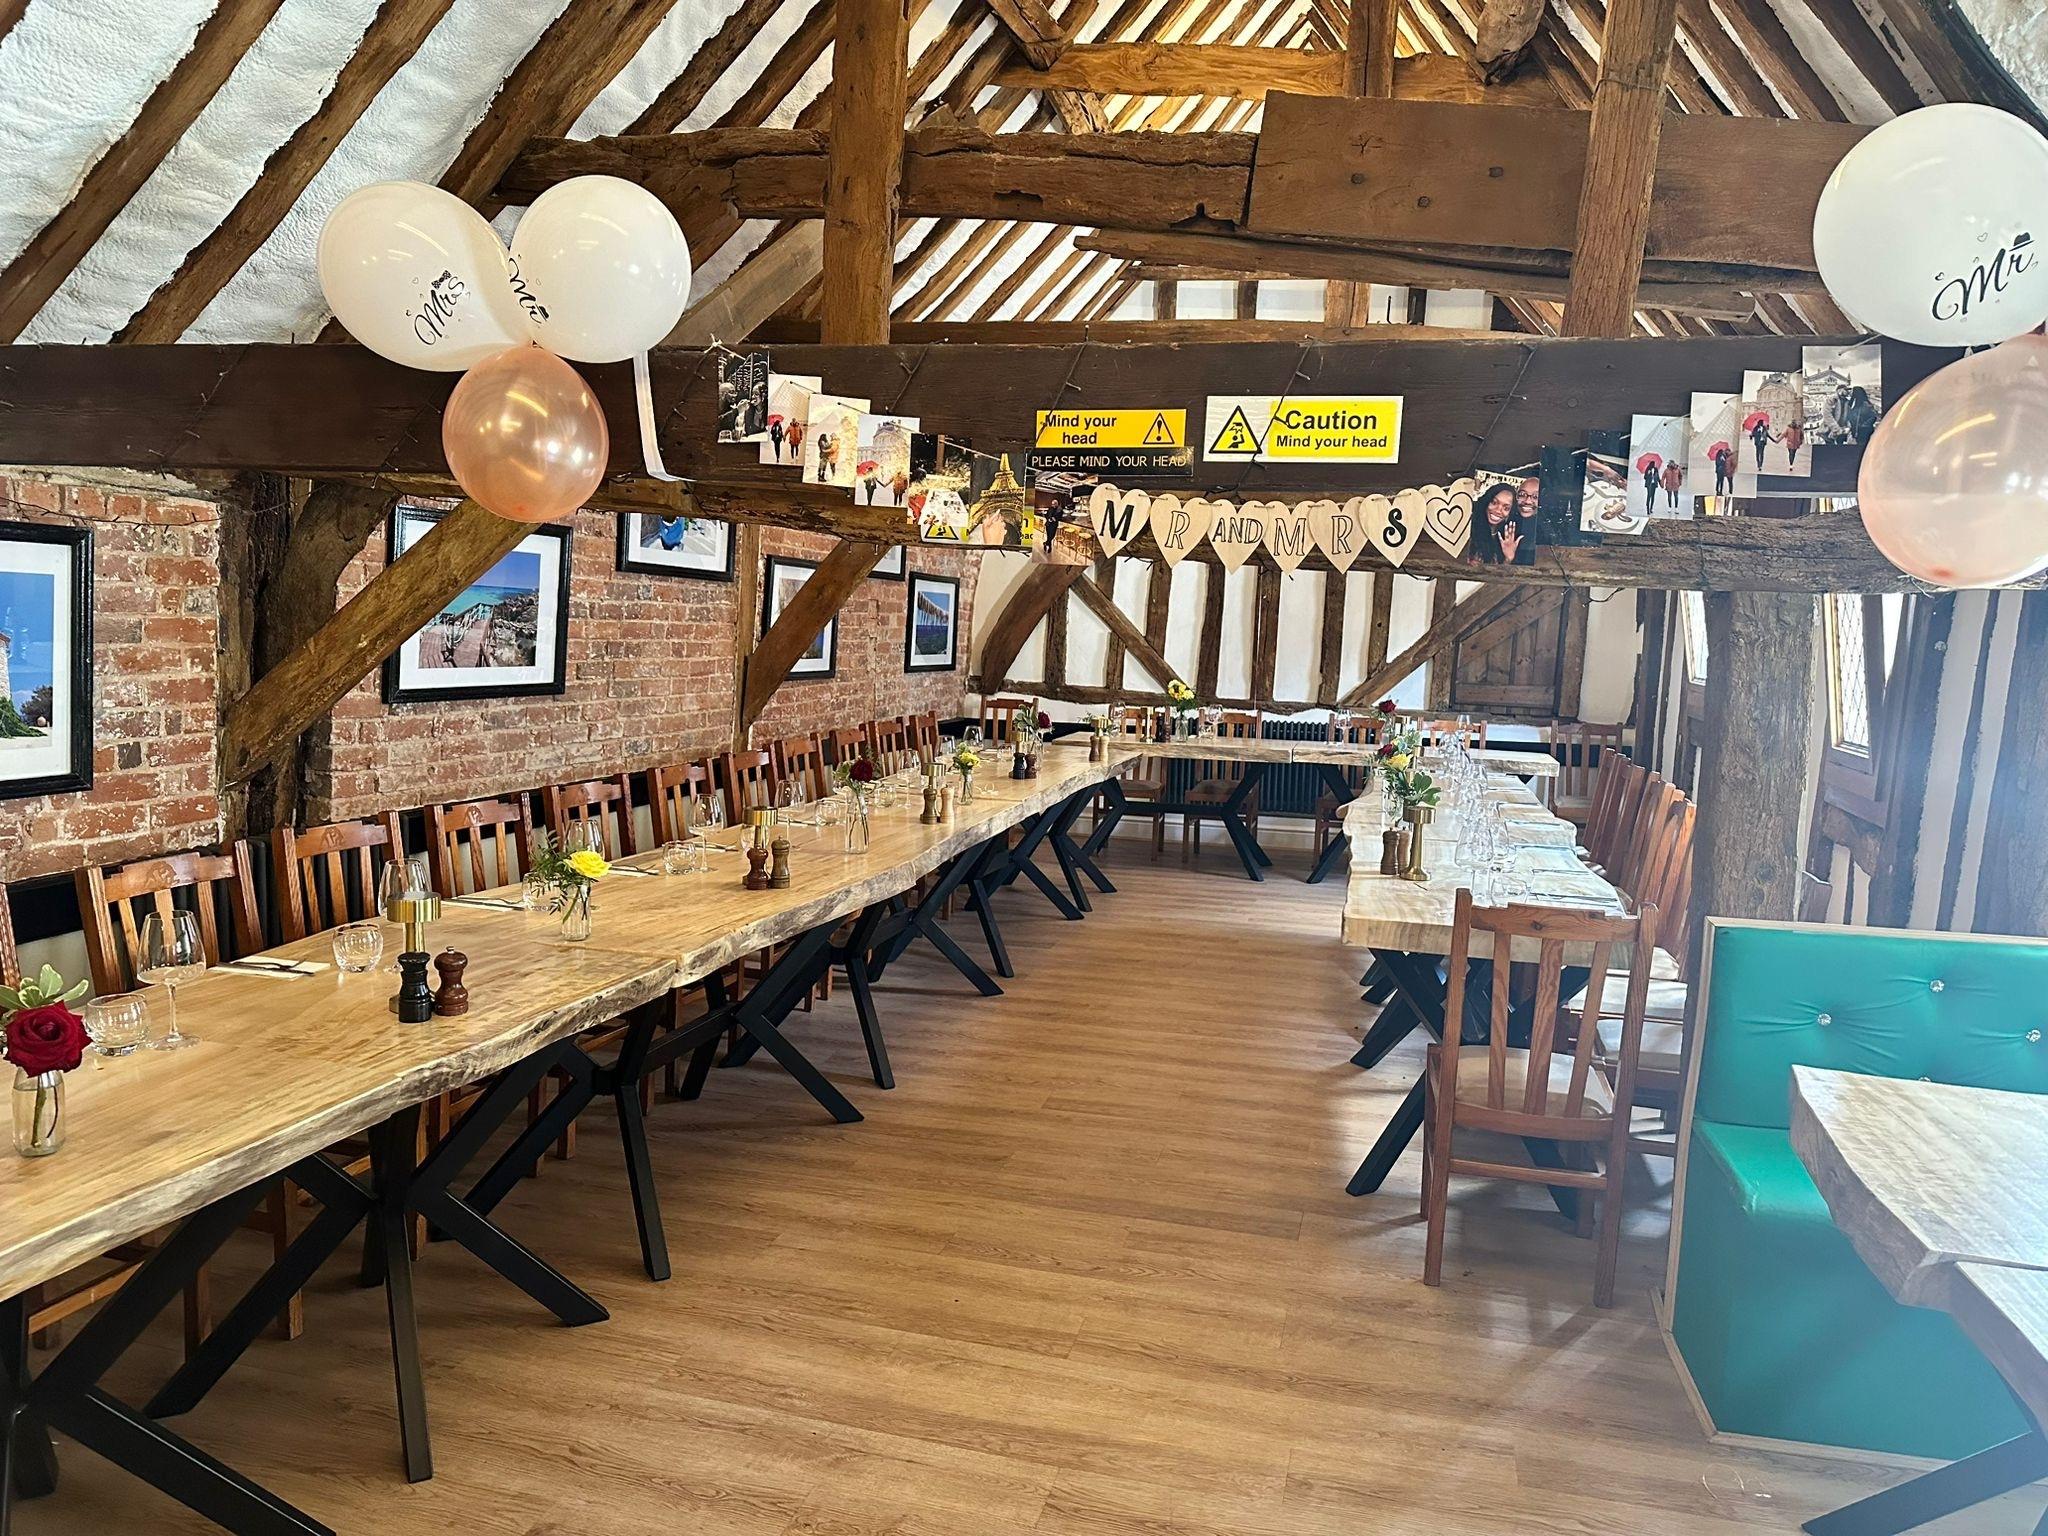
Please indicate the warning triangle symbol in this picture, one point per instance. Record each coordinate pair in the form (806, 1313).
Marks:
(1159, 434)
(1237, 435)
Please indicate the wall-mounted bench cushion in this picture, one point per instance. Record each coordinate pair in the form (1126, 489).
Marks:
(1784, 1332)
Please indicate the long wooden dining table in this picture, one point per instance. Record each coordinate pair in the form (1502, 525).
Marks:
(1407, 927)
(1337, 764)
(1934, 1185)
(288, 1064)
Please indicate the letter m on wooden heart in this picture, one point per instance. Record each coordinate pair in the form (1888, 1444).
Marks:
(1117, 515)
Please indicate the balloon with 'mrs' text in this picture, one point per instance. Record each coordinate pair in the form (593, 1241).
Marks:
(525, 436)
(602, 268)
(1954, 483)
(1934, 227)
(416, 275)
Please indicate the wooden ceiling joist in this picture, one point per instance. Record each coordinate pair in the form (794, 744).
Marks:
(55, 251)
(675, 102)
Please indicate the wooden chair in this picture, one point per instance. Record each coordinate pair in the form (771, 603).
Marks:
(1607, 840)
(671, 793)
(327, 876)
(107, 903)
(890, 743)
(606, 804)
(844, 743)
(1551, 1089)
(1626, 871)
(923, 731)
(802, 759)
(1582, 751)
(456, 841)
(1437, 734)
(1143, 781)
(747, 780)
(1218, 786)
(997, 715)
(1342, 730)
(1598, 827)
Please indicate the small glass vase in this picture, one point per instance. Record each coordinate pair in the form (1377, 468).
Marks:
(857, 824)
(576, 915)
(38, 1113)
(967, 784)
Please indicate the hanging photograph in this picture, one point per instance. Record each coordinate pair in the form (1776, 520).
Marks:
(675, 546)
(1657, 448)
(1843, 389)
(45, 659)
(1059, 505)
(1773, 426)
(504, 636)
(1713, 460)
(1504, 513)
(789, 416)
(962, 497)
(831, 443)
(1605, 505)
(1561, 489)
(931, 636)
(890, 566)
(742, 396)
(881, 469)
(786, 578)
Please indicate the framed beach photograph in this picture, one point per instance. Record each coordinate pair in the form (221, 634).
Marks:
(890, 566)
(45, 659)
(786, 578)
(931, 631)
(504, 636)
(700, 547)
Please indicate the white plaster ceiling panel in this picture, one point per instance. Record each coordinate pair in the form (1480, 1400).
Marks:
(2016, 31)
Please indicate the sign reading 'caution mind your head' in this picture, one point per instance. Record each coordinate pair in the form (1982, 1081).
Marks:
(1295, 429)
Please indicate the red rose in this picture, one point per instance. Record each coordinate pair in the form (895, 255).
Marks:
(47, 1039)
(861, 770)
(1044, 721)
(1386, 706)
(1388, 749)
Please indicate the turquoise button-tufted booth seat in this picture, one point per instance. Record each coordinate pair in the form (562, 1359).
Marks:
(1784, 1332)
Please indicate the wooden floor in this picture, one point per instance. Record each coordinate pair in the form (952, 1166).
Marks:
(1089, 1269)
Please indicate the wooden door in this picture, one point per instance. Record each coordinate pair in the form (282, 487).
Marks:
(1523, 662)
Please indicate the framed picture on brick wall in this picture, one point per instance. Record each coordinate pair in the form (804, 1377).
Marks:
(785, 579)
(504, 636)
(931, 629)
(890, 566)
(45, 659)
(675, 546)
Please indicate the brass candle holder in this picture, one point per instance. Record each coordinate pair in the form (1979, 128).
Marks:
(414, 1003)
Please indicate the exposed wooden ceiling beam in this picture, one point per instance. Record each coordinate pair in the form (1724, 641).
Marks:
(1467, 613)
(392, 37)
(56, 249)
(1039, 38)
(1248, 73)
(1506, 28)
(1847, 25)
(864, 164)
(674, 103)
(1621, 167)
(822, 595)
(1760, 31)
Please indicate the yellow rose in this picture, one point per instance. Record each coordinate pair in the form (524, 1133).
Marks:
(1398, 760)
(589, 864)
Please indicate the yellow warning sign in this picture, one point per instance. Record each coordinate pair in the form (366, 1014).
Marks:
(1364, 429)
(1112, 429)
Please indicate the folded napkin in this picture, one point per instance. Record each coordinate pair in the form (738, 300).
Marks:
(1582, 886)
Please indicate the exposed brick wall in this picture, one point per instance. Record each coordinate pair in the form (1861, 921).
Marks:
(156, 579)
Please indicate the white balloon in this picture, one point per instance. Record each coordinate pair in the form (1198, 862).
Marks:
(1934, 228)
(417, 275)
(603, 267)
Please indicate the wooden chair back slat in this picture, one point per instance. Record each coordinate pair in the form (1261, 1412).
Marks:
(801, 758)
(845, 742)
(455, 840)
(606, 804)
(1610, 851)
(1650, 838)
(107, 899)
(1605, 804)
(1437, 734)
(890, 743)
(1236, 725)
(997, 714)
(747, 780)
(1136, 720)
(671, 790)
(923, 731)
(316, 864)
(1582, 753)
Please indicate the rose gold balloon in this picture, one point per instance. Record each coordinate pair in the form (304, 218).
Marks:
(1954, 484)
(525, 436)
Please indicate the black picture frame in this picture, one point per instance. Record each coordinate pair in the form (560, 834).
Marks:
(805, 669)
(921, 581)
(633, 558)
(892, 566)
(397, 689)
(75, 578)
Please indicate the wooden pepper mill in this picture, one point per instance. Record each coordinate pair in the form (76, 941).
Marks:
(452, 1000)
(778, 877)
(1393, 850)
(930, 817)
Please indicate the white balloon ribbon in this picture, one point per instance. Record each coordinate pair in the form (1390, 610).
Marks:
(643, 396)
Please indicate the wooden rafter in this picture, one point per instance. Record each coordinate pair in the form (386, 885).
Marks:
(1444, 631)
(58, 247)
(681, 96)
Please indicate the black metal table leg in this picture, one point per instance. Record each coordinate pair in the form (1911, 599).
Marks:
(1999, 1469)
(1023, 862)
(856, 956)
(394, 1151)
(1393, 1141)
(1397, 1021)
(28, 1462)
(67, 1395)
(1115, 804)
(1340, 845)
(1073, 860)
(981, 885)
(762, 1009)
(1231, 814)
(1416, 985)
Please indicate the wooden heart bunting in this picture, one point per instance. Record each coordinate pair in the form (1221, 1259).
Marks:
(1392, 525)
(1288, 536)
(1339, 531)
(1447, 514)
(1117, 515)
(1237, 531)
(1178, 527)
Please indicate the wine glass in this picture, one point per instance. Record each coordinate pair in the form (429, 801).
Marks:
(172, 952)
(709, 813)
